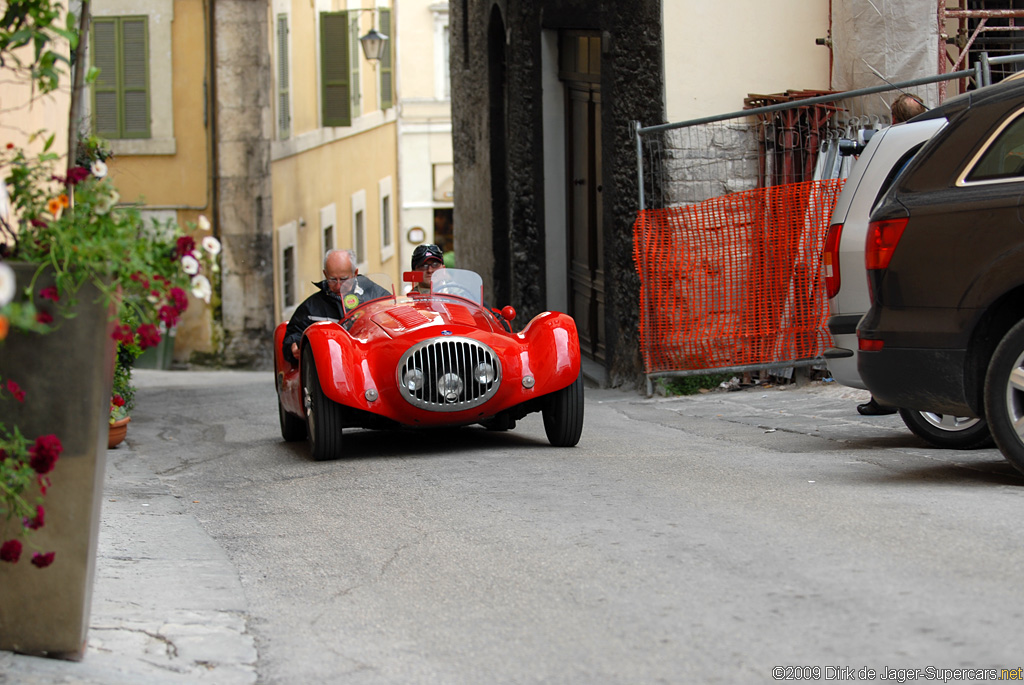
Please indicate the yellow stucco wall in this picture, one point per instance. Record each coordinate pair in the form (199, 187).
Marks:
(179, 180)
(716, 53)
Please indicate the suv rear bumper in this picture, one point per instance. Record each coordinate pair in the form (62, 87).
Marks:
(916, 378)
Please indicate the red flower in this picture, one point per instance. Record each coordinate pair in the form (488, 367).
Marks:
(184, 246)
(169, 315)
(77, 174)
(179, 298)
(123, 333)
(44, 317)
(37, 522)
(10, 551)
(117, 401)
(42, 560)
(44, 453)
(15, 390)
(50, 293)
(149, 336)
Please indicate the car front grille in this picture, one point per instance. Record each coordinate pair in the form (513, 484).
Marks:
(445, 374)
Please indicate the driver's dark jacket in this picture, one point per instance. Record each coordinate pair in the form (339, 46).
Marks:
(326, 306)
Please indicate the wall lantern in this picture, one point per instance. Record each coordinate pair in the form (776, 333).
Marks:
(374, 44)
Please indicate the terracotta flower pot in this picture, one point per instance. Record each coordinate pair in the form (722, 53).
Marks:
(117, 431)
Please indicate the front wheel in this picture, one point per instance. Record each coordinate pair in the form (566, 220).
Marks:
(323, 416)
(946, 431)
(563, 415)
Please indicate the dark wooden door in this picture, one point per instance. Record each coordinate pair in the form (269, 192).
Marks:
(586, 237)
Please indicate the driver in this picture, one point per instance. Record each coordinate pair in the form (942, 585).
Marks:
(428, 259)
(341, 291)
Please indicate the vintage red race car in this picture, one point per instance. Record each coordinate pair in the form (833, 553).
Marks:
(429, 360)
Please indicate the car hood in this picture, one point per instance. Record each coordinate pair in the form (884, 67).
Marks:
(421, 318)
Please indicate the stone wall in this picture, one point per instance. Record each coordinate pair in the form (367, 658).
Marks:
(244, 126)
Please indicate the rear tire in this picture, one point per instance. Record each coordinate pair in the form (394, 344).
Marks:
(1004, 396)
(563, 415)
(946, 431)
(323, 416)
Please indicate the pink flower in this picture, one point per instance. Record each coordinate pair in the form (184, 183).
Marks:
(15, 390)
(37, 522)
(44, 453)
(44, 317)
(10, 551)
(77, 174)
(50, 293)
(149, 336)
(42, 560)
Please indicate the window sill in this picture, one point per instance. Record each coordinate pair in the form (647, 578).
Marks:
(147, 146)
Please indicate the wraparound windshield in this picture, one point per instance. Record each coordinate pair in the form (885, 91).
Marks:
(458, 282)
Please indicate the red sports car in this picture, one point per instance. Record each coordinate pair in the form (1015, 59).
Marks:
(429, 360)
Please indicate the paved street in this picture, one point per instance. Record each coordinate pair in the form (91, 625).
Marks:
(703, 539)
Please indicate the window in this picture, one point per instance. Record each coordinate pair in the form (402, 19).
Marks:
(284, 115)
(328, 220)
(385, 69)
(442, 77)
(288, 276)
(1003, 157)
(288, 256)
(121, 93)
(387, 243)
(334, 70)
(359, 228)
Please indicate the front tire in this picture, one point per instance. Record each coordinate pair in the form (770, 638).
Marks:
(563, 415)
(1004, 396)
(323, 416)
(946, 431)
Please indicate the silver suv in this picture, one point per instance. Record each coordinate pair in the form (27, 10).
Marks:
(882, 159)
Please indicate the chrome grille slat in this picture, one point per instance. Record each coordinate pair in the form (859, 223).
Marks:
(450, 355)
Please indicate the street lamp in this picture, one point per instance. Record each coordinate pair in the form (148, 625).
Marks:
(374, 44)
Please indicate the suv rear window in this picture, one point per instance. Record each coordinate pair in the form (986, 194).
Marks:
(1003, 156)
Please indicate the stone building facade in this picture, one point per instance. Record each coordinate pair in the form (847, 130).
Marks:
(543, 96)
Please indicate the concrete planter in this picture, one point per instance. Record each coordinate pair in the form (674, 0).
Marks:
(67, 378)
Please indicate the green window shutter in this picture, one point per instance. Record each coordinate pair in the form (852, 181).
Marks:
(334, 69)
(135, 77)
(104, 92)
(120, 51)
(354, 52)
(284, 115)
(387, 89)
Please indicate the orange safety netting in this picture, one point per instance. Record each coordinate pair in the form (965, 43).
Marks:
(735, 280)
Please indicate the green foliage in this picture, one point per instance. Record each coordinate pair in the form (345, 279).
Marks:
(33, 25)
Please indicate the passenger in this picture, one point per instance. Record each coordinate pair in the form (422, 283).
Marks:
(906, 107)
(428, 259)
(341, 291)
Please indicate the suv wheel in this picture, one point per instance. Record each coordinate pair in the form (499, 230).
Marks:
(947, 431)
(1004, 396)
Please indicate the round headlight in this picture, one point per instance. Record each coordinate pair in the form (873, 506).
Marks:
(449, 386)
(413, 380)
(483, 373)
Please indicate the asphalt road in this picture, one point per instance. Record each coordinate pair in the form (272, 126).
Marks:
(705, 539)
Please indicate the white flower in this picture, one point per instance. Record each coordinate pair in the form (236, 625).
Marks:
(201, 288)
(106, 202)
(197, 255)
(98, 168)
(204, 223)
(211, 245)
(7, 287)
(189, 265)
(5, 202)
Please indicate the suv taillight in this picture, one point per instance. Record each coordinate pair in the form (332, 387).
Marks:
(831, 260)
(883, 236)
